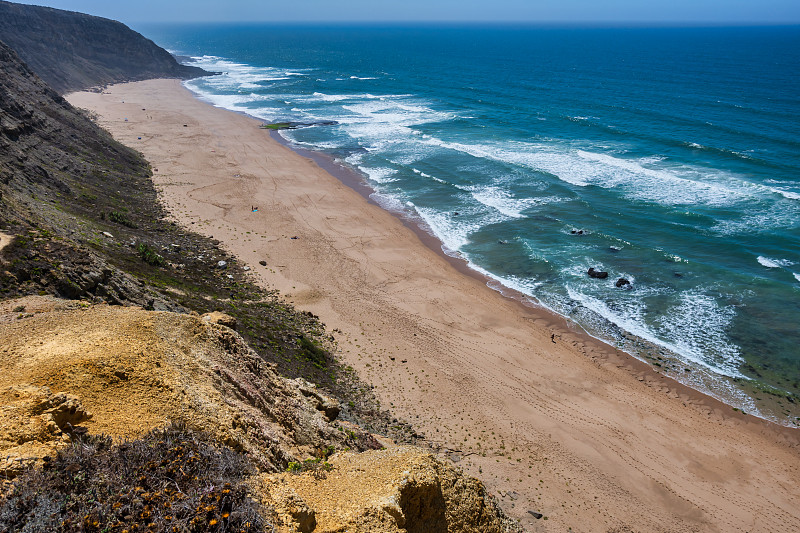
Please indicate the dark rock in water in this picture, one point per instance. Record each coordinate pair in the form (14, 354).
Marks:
(456, 213)
(536, 515)
(613, 249)
(73, 52)
(622, 282)
(677, 274)
(577, 232)
(597, 274)
(502, 241)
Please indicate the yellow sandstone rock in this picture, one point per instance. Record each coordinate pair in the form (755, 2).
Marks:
(400, 489)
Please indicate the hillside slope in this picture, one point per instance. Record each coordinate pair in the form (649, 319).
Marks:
(145, 415)
(72, 51)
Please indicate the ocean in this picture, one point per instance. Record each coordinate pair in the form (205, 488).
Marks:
(667, 157)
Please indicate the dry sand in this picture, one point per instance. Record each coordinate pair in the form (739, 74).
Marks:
(549, 419)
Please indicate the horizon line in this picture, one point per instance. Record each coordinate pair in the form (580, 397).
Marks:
(621, 23)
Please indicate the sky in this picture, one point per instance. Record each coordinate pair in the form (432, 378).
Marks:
(692, 12)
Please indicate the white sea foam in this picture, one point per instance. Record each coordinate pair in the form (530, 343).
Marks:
(421, 173)
(364, 78)
(454, 232)
(670, 186)
(390, 203)
(235, 74)
(796, 276)
(694, 327)
(791, 195)
(502, 201)
(380, 174)
(428, 176)
(774, 263)
(650, 179)
(238, 102)
(354, 159)
(393, 111)
(332, 97)
(526, 286)
(315, 145)
(763, 218)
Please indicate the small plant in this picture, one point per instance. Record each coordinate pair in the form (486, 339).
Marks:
(121, 218)
(149, 255)
(316, 466)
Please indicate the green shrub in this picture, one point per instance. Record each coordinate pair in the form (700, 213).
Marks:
(311, 351)
(121, 218)
(149, 255)
(316, 467)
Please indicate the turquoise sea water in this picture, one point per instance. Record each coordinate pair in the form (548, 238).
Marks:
(669, 157)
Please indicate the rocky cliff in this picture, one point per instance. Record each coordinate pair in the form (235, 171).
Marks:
(68, 370)
(72, 51)
(129, 401)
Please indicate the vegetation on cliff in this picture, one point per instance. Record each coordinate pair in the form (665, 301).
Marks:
(87, 387)
(170, 478)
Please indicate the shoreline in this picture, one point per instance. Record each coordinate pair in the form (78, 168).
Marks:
(518, 393)
(352, 178)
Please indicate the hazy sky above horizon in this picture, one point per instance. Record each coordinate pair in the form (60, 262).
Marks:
(544, 11)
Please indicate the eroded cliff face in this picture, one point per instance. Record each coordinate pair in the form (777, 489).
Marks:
(123, 371)
(75, 369)
(72, 51)
(68, 368)
(46, 145)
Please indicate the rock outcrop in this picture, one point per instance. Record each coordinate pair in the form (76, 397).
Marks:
(597, 274)
(396, 490)
(68, 368)
(34, 423)
(136, 370)
(72, 51)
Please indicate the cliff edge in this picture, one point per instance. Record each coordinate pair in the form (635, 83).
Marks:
(73, 51)
(68, 369)
(147, 383)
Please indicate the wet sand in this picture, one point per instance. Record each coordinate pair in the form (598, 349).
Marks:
(549, 418)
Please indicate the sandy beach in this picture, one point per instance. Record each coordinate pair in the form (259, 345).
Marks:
(548, 418)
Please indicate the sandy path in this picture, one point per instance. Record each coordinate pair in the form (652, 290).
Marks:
(549, 419)
(5, 240)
